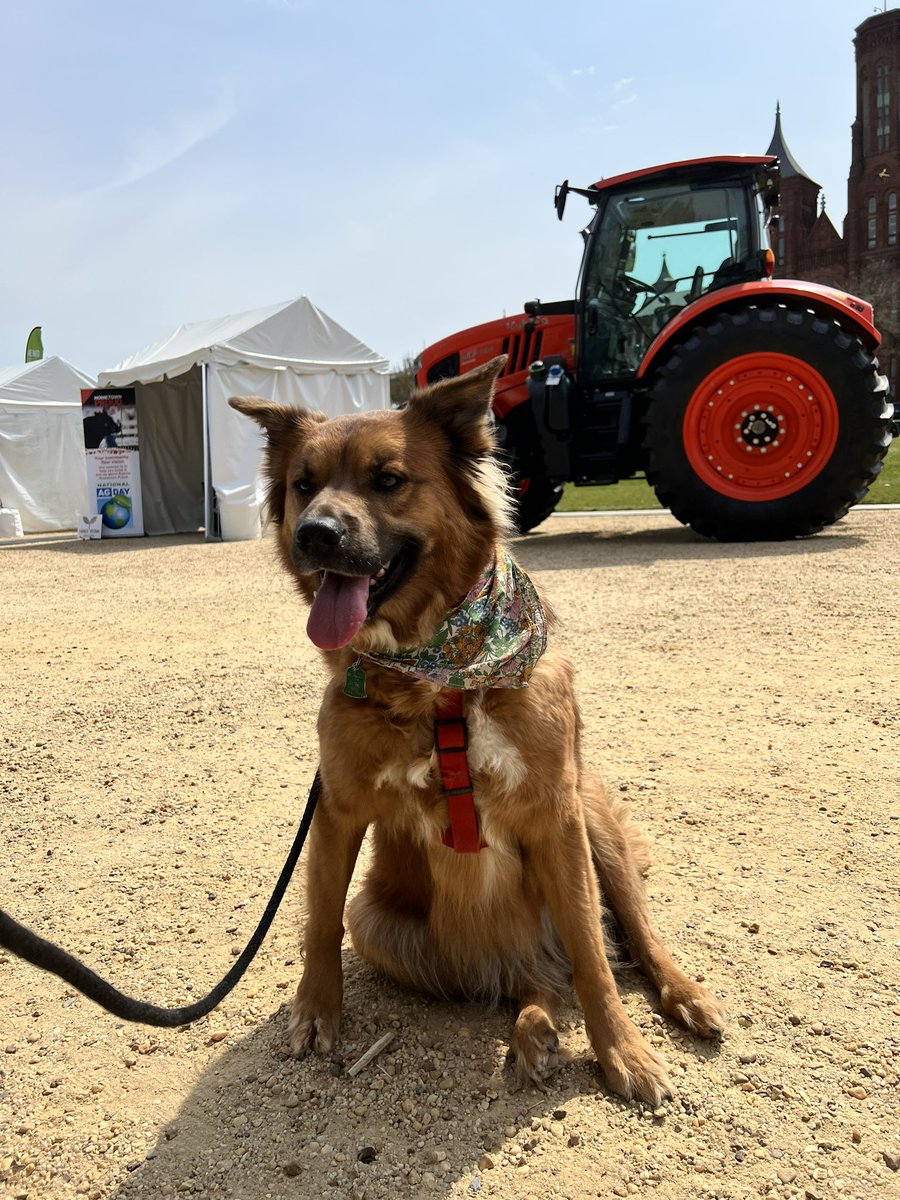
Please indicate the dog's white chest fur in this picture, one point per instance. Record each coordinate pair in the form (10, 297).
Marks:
(495, 764)
(490, 752)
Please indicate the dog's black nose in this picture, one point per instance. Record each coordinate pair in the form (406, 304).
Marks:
(316, 535)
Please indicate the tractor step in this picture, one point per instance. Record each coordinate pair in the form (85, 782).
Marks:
(603, 424)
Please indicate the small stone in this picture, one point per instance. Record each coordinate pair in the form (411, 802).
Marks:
(367, 1154)
(485, 1163)
(216, 1037)
(574, 1139)
(858, 1093)
(857, 1136)
(11, 1049)
(891, 1161)
(291, 1169)
(559, 1114)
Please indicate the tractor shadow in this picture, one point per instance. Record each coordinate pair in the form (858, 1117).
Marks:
(606, 545)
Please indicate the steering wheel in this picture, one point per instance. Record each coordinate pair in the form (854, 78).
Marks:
(637, 286)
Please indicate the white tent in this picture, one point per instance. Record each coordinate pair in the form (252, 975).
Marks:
(42, 465)
(199, 458)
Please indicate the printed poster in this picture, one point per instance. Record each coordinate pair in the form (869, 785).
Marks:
(113, 460)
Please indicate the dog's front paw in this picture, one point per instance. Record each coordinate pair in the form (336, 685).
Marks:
(533, 1047)
(634, 1070)
(694, 1007)
(311, 1027)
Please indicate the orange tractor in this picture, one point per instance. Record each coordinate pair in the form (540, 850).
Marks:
(753, 405)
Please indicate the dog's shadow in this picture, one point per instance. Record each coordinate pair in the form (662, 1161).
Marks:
(434, 1109)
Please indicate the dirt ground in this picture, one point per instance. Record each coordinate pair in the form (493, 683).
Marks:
(157, 740)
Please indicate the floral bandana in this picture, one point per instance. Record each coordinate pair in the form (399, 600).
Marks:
(494, 639)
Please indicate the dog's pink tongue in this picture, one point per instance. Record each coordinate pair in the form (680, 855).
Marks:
(338, 610)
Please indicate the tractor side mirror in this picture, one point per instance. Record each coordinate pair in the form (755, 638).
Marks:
(559, 198)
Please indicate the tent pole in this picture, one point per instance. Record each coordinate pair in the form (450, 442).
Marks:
(210, 534)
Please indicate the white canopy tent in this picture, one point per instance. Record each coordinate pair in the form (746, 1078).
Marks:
(199, 458)
(42, 466)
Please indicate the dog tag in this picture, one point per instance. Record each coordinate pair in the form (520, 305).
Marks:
(355, 682)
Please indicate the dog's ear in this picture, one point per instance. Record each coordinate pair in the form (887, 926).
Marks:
(285, 429)
(461, 405)
(278, 420)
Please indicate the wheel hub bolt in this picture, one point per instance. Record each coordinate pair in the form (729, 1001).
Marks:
(759, 428)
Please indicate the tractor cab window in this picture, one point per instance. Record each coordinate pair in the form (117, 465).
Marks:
(651, 251)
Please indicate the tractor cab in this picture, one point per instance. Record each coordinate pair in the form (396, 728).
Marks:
(661, 239)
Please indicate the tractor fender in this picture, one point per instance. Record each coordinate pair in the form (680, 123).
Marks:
(839, 305)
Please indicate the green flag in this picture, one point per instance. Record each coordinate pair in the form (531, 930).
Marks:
(34, 347)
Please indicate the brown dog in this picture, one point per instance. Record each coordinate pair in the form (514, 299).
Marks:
(390, 523)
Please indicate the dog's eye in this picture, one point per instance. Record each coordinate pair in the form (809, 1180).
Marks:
(387, 481)
(303, 486)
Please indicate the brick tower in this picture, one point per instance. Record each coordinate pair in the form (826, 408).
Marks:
(873, 188)
(867, 259)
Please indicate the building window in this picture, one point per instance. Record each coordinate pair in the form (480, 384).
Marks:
(882, 109)
(892, 219)
(871, 224)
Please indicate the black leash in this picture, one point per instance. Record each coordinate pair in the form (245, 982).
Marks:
(26, 944)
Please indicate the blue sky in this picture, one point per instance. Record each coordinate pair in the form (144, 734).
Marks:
(395, 162)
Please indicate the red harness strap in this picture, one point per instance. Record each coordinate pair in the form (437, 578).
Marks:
(451, 743)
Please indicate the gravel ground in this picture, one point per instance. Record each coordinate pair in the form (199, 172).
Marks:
(156, 746)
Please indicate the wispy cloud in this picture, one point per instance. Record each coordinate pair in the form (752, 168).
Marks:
(171, 137)
(583, 71)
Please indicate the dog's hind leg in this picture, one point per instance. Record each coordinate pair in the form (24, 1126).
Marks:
(388, 917)
(534, 1045)
(395, 942)
(621, 860)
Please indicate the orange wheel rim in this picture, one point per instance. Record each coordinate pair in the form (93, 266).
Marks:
(760, 427)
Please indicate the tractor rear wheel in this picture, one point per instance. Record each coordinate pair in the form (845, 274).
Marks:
(766, 423)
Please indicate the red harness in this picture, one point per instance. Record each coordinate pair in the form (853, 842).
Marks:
(451, 743)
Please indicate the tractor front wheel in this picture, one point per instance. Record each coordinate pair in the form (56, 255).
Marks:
(537, 498)
(766, 423)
